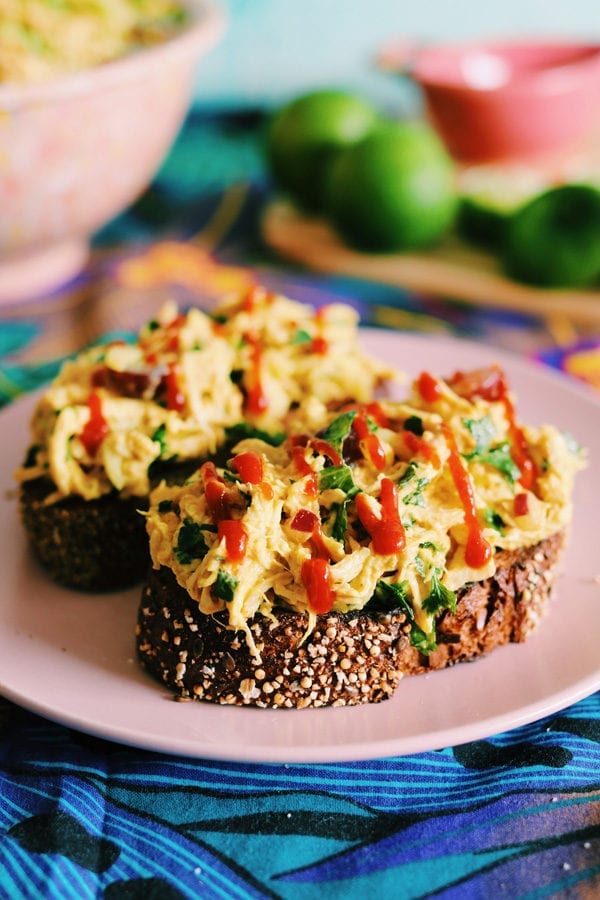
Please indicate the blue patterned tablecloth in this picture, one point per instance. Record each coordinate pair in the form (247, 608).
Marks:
(517, 815)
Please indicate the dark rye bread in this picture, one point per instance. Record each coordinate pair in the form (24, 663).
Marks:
(347, 659)
(91, 545)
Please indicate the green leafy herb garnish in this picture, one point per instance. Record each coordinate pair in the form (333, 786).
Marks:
(414, 424)
(483, 433)
(440, 597)
(340, 521)
(166, 506)
(225, 585)
(242, 430)
(301, 337)
(190, 542)
(423, 641)
(340, 477)
(409, 474)
(494, 520)
(338, 430)
(415, 497)
(159, 437)
(387, 597)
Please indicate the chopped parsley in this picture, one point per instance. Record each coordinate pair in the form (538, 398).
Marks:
(242, 430)
(440, 597)
(338, 477)
(190, 543)
(301, 337)
(387, 597)
(340, 521)
(415, 497)
(483, 432)
(225, 585)
(409, 473)
(338, 430)
(159, 438)
(423, 641)
(494, 520)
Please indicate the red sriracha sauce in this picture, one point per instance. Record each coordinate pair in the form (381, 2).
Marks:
(418, 444)
(369, 443)
(478, 551)
(304, 469)
(256, 400)
(325, 449)
(490, 384)
(317, 581)
(320, 344)
(249, 467)
(96, 428)
(236, 538)
(305, 520)
(521, 505)
(387, 531)
(254, 296)
(216, 492)
(173, 332)
(175, 397)
(429, 387)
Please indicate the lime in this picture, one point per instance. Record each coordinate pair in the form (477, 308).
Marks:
(489, 196)
(304, 135)
(393, 190)
(554, 240)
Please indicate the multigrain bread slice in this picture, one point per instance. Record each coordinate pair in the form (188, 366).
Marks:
(348, 658)
(400, 537)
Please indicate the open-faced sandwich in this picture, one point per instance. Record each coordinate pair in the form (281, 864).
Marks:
(120, 415)
(397, 538)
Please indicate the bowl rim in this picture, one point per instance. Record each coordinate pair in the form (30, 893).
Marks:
(407, 58)
(208, 19)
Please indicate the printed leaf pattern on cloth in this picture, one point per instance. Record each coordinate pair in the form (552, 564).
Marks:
(95, 819)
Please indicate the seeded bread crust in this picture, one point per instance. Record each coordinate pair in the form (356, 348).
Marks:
(347, 659)
(91, 545)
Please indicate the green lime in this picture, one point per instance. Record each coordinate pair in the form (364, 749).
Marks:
(489, 196)
(554, 240)
(305, 135)
(393, 190)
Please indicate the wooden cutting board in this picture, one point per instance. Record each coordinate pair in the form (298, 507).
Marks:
(453, 271)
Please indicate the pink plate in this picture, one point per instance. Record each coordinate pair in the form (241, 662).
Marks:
(70, 657)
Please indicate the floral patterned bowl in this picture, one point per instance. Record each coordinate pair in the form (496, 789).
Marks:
(78, 149)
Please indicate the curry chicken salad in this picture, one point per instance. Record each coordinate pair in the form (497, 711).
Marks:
(387, 508)
(190, 383)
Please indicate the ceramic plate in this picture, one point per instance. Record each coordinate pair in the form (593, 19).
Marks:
(70, 657)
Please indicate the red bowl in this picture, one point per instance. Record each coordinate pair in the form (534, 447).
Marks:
(502, 100)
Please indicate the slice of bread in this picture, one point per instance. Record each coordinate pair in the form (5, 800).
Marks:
(347, 659)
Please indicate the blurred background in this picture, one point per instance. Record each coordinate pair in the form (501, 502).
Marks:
(274, 49)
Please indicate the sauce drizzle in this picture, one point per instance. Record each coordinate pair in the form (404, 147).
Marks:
(256, 399)
(429, 387)
(175, 397)
(478, 551)
(317, 581)
(96, 428)
(387, 532)
(236, 538)
(369, 443)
